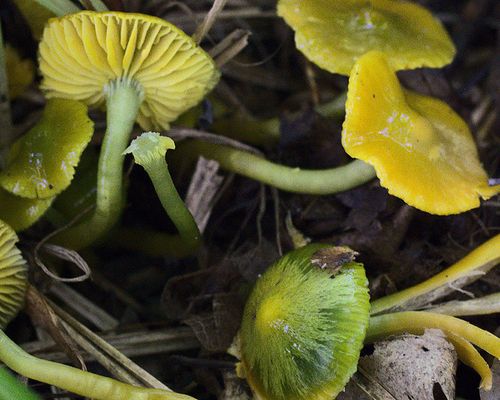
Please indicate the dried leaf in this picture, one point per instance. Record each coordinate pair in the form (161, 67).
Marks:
(216, 329)
(414, 367)
(332, 259)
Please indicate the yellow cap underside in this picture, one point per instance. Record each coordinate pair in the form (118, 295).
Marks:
(82, 52)
(13, 279)
(420, 148)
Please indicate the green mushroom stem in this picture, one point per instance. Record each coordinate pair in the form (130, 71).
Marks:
(123, 100)
(290, 179)
(149, 151)
(74, 380)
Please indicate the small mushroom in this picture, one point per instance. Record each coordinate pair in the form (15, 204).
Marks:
(149, 151)
(41, 164)
(302, 329)
(142, 67)
(422, 151)
(335, 33)
(13, 275)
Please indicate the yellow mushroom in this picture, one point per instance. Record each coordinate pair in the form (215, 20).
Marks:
(143, 68)
(13, 275)
(422, 151)
(41, 163)
(335, 33)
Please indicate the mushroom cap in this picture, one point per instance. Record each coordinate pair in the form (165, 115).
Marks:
(148, 147)
(302, 331)
(20, 213)
(422, 151)
(41, 163)
(13, 275)
(335, 33)
(81, 53)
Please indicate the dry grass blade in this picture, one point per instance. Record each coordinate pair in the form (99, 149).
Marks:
(202, 190)
(230, 47)
(132, 344)
(83, 306)
(179, 134)
(115, 359)
(187, 19)
(209, 20)
(42, 314)
(489, 304)
(63, 254)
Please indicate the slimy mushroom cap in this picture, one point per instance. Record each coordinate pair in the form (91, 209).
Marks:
(41, 164)
(422, 151)
(303, 328)
(335, 33)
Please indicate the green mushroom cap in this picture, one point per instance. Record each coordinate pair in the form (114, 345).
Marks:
(303, 326)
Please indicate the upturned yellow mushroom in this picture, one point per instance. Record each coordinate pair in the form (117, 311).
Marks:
(422, 151)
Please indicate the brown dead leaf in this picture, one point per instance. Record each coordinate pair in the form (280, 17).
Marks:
(42, 314)
(414, 367)
(331, 259)
(216, 329)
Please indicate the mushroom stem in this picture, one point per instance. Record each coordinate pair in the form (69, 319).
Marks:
(290, 179)
(123, 100)
(417, 322)
(471, 357)
(174, 205)
(266, 132)
(149, 151)
(74, 380)
(477, 262)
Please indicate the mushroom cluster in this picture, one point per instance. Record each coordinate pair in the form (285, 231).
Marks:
(422, 151)
(307, 318)
(142, 68)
